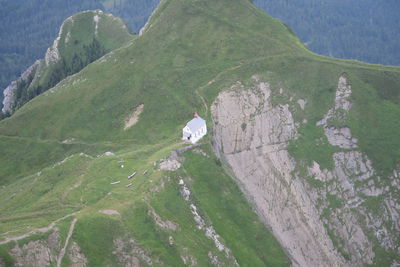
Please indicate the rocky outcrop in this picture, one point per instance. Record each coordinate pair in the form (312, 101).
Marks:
(76, 257)
(164, 224)
(130, 254)
(252, 136)
(326, 225)
(52, 54)
(38, 252)
(10, 93)
(58, 64)
(208, 228)
(169, 164)
(341, 136)
(353, 183)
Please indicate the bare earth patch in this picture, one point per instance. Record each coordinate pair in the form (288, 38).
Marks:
(109, 212)
(163, 224)
(134, 117)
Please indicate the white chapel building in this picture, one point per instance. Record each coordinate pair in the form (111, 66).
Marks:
(194, 129)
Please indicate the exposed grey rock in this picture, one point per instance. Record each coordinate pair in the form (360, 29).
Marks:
(252, 136)
(129, 254)
(341, 136)
(9, 97)
(343, 93)
(207, 227)
(214, 259)
(316, 172)
(9, 100)
(187, 258)
(351, 164)
(169, 165)
(258, 157)
(185, 192)
(69, 141)
(54, 240)
(165, 224)
(302, 103)
(124, 258)
(52, 54)
(41, 252)
(96, 20)
(34, 253)
(353, 175)
(76, 257)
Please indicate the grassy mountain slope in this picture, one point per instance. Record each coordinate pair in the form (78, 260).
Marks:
(188, 53)
(26, 39)
(82, 39)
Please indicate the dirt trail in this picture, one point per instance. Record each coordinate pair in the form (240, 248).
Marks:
(62, 252)
(37, 231)
(211, 82)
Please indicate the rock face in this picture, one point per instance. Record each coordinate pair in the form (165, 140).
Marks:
(37, 253)
(319, 226)
(340, 137)
(253, 135)
(29, 76)
(47, 252)
(77, 258)
(130, 254)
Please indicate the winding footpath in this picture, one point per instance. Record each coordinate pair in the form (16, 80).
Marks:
(62, 252)
(37, 231)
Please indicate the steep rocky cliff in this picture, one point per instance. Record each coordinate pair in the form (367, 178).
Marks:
(329, 224)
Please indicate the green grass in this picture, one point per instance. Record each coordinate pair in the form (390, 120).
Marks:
(81, 41)
(95, 236)
(384, 258)
(151, 238)
(374, 121)
(312, 145)
(334, 201)
(170, 205)
(232, 216)
(5, 256)
(191, 49)
(374, 204)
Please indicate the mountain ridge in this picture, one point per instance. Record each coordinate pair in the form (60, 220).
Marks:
(76, 46)
(204, 56)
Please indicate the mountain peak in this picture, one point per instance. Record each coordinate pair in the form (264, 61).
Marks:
(82, 38)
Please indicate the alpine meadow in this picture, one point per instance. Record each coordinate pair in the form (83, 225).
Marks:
(300, 165)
